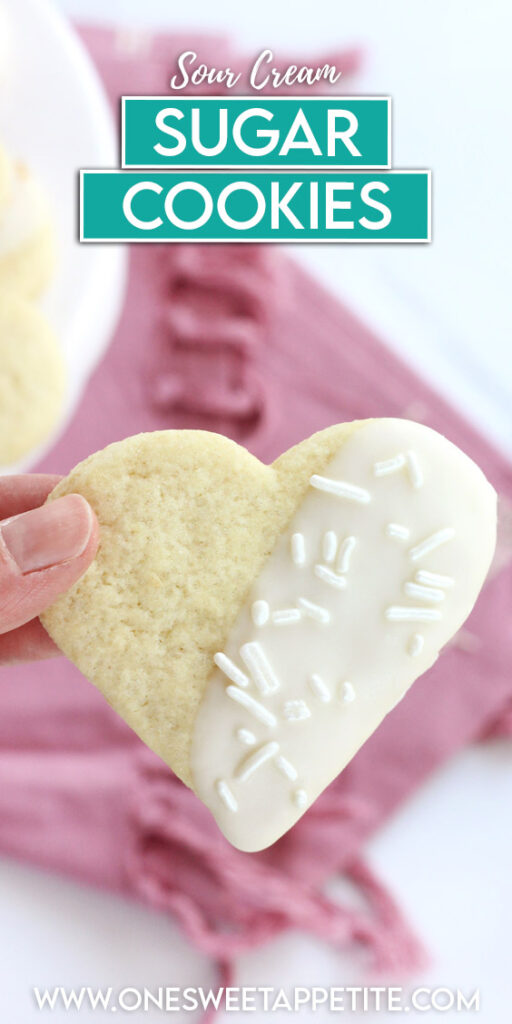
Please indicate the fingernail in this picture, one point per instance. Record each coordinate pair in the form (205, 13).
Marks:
(49, 535)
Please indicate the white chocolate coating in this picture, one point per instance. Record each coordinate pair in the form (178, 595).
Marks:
(415, 524)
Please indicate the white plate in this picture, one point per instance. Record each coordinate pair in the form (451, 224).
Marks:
(54, 114)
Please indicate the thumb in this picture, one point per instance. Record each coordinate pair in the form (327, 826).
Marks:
(42, 553)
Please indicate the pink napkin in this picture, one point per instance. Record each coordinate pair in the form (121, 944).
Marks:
(239, 340)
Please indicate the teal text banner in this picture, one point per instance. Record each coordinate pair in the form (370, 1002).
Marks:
(257, 132)
(214, 206)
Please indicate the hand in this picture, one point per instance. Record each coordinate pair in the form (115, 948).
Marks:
(44, 549)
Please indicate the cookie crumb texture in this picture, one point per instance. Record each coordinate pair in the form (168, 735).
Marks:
(187, 520)
(32, 379)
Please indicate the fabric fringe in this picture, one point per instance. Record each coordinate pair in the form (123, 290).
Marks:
(229, 902)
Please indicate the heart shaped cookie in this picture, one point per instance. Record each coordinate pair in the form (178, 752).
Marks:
(254, 624)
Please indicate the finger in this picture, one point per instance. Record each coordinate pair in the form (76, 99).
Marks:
(28, 643)
(42, 553)
(20, 493)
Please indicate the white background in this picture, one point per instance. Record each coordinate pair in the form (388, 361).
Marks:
(446, 307)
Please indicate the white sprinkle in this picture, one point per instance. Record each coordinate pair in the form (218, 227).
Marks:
(300, 799)
(397, 530)
(340, 488)
(397, 614)
(285, 615)
(296, 710)
(348, 693)
(253, 706)
(319, 688)
(434, 541)
(254, 761)
(410, 459)
(329, 546)
(260, 612)
(246, 736)
(286, 768)
(434, 579)
(314, 610)
(345, 554)
(298, 549)
(414, 469)
(328, 576)
(415, 646)
(230, 670)
(226, 795)
(424, 593)
(389, 465)
(254, 657)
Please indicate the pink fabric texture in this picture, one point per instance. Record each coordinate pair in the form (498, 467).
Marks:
(237, 339)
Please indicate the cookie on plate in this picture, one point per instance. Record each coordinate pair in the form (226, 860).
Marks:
(27, 243)
(5, 178)
(254, 624)
(32, 378)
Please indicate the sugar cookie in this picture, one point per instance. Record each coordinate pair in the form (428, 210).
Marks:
(5, 178)
(27, 247)
(32, 378)
(254, 624)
